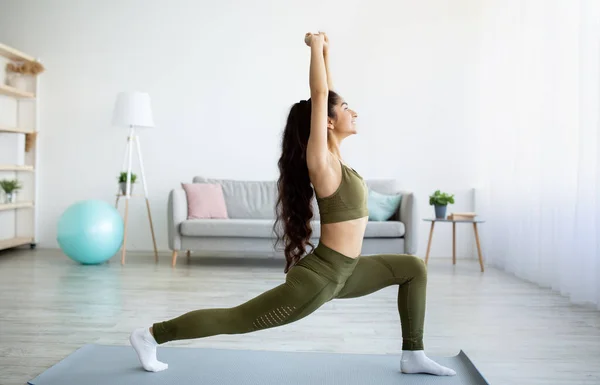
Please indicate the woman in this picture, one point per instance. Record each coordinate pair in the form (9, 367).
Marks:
(310, 163)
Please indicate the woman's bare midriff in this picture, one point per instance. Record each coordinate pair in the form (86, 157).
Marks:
(345, 237)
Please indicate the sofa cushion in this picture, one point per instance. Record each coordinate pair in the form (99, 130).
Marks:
(248, 199)
(205, 200)
(245, 228)
(263, 228)
(382, 206)
(385, 186)
(386, 229)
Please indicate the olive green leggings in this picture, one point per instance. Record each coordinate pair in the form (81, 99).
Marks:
(317, 278)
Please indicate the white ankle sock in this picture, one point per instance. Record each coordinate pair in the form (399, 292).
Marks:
(417, 362)
(145, 346)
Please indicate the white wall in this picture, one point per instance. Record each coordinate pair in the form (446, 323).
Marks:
(222, 76)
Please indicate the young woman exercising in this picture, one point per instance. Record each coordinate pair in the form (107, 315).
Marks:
(311, 163)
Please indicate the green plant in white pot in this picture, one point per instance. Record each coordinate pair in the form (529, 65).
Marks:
(440, 201)
(10, 188)
(123, 182)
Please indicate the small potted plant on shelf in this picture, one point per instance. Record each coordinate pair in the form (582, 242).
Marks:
(10, 188)
(123, 182)
(440, 201)
(19, 72)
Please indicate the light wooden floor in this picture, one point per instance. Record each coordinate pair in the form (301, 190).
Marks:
(513, 331)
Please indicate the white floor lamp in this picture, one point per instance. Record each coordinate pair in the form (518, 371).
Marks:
(133, 110)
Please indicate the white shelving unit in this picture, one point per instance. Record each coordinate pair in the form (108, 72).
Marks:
(18, 153)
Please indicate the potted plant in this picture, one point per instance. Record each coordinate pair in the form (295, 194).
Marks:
(10, 188)
(440, 201)
(19, 71)
(123, 181)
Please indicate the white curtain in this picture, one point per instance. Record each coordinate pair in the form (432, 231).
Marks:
(538, 89)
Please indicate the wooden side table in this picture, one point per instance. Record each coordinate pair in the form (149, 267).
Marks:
(454, 222)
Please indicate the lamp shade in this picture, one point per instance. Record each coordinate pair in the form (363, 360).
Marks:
(133, 109)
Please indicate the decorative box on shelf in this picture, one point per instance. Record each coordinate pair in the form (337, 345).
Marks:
(462, 216)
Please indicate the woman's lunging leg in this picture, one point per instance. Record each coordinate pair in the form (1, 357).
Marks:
(281, 305)
(373, 273)
(301, 294)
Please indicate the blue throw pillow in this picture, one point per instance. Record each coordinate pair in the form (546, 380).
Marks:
(382, 206)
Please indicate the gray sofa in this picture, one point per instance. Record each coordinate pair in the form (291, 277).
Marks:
(251, 210)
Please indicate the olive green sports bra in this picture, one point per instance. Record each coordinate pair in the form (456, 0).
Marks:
(348, 202)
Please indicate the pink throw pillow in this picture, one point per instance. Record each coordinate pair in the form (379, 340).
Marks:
(205, 200)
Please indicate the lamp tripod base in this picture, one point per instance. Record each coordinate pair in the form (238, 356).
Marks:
(127, 160)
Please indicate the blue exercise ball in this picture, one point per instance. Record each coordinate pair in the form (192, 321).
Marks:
(90, 232)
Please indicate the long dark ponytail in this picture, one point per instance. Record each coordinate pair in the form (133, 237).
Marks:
(294, 202)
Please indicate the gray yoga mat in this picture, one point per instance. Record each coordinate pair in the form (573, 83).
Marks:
(118, 365)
